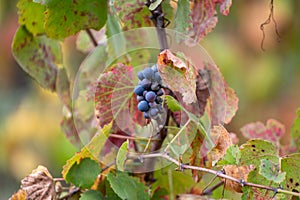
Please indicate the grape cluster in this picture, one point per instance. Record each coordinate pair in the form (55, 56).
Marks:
(148, 91)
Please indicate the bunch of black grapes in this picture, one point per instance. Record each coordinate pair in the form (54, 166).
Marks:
(148, 91)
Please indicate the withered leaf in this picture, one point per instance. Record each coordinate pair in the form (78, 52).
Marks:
(222, 141)
(240, 172)
(19, 195)
(39, 185)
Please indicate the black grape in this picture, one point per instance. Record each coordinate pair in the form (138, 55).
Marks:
(138, 90)
(143, 106)
(140, 75)
(150, 96)
(148, 93)
(148, 73)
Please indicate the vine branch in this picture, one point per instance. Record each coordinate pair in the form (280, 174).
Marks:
(216, 173)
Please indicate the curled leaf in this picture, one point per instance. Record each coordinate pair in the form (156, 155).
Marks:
(222, 141)
(39, 184)
(177, 75)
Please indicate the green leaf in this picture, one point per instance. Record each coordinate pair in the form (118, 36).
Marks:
(295, 131)
(65, 18)
(116, 44)
(31, 15)
(84, 174)
(291, 165)
(127, 187)
(154, 5)
(38, 56)
(255, 177)
(92, 195)
(91, 150)
(255, 150)
(182, 18)
(172, 103)
(271, 171)
(122, 156)
(232, 156)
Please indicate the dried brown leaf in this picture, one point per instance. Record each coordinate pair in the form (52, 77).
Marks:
(222, 141)
(239, 173)
(19, 195)
(39, 185)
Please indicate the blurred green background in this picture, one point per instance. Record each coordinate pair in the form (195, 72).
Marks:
(267, 84)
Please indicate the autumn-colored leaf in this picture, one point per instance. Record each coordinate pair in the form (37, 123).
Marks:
(84, 43)
(31, 15)
(65, 18)
(238, 172)
(19, 195)
(177, 75)
(132, 13)
(115, 100)
(38, 56)
(204, 17)
(272, 131)
(222, 141)
(223, 102)
(68, 126)
(63, 87)
(39, 184)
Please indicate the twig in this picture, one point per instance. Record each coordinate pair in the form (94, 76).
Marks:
(217, 173)
(92, 38)
(70, 194)
(268, 21)
(130, 137)
(210, 190)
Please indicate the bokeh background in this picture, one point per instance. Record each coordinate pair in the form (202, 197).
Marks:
(267, 84)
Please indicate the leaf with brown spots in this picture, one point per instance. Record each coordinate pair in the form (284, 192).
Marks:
(255, 150)
(290, 165)
(272, 131)
(31, 15)
(39, 185)
(38, 56)
(65, 18)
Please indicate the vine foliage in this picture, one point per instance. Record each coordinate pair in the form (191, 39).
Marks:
(120, 158)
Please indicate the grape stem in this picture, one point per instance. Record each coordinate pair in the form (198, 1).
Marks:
(92, 38)
(158, 19)
(216, 173)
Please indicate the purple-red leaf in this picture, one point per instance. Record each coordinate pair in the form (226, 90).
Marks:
(204, 17)
(272, 131)
(115, 100)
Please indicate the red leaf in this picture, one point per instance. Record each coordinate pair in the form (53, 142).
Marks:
(272, 131)
(115, 100)
(223, 102)
(204, 17)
